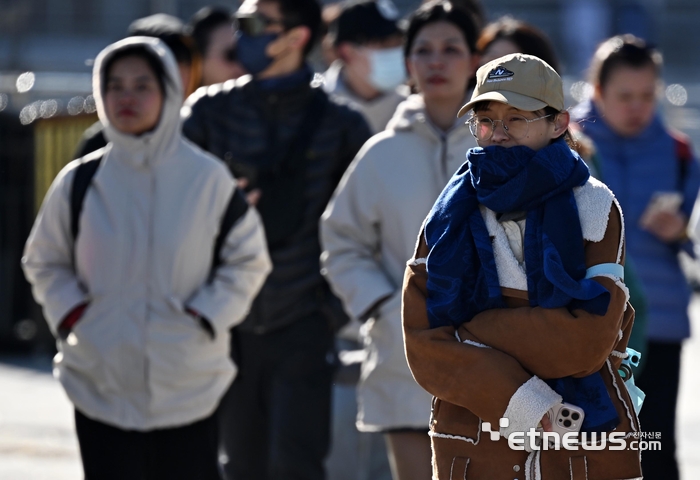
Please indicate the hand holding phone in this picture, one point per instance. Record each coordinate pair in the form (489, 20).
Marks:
(563, 418)
(661, 202)
(663, 218)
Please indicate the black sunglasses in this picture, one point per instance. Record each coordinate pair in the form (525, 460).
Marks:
(255, 24)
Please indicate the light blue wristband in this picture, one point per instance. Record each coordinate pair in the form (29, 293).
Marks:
(614, 269)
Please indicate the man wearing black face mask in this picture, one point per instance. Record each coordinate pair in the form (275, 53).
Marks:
(289, 144)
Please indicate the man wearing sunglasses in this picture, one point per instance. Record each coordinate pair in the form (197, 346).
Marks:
(289, 145)
(212, 29)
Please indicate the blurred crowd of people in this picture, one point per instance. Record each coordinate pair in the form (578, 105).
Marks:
(223, 264)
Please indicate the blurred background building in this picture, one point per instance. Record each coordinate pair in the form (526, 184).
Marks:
(60, 35)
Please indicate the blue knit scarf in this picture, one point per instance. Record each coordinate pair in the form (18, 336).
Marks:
(462, 276)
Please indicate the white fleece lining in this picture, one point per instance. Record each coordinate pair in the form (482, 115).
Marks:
(457, 437)
(538, 473)
(621, 355)
(619, 395)
(528, 465)
(417, 261)
(470, 342)
(476, 344)
(532, 465)
(619, 283)
(527, 406)
(591, 199)
(624, 288)
(452, 467)
(622, 229)
(571, 467)
(571, 470)
(453, 437)
(511, 274)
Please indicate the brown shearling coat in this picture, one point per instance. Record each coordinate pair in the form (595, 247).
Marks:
(471, 384)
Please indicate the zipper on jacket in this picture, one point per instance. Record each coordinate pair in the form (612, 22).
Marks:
(443, 156)
(150, 256)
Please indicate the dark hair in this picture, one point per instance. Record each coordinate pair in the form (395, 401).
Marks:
(527, 38)
(170, 30)
(297, 13)
(473, 7)
(204, 22)
(362, 22)
(440, 11)
(622, 51)
(140, 51)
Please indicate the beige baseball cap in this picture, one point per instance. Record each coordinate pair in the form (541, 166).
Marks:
(524, 81)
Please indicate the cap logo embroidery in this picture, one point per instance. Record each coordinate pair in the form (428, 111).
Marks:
(499, 74)
(388, 10)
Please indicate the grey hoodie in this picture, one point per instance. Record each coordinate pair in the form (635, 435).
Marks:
(136, 359)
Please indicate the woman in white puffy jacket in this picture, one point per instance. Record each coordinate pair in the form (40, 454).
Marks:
(141, 316)
(368, 230)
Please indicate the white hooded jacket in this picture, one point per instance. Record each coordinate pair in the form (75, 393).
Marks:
(136, 359)
(369, 232)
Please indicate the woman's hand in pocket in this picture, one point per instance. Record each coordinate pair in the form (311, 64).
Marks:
(70, 320)
(202, 320)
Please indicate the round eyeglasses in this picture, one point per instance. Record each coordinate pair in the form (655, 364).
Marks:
(514, 125)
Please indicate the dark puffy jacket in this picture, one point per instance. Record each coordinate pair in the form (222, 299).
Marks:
(251, 129)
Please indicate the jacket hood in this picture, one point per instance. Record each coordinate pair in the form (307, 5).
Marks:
(148, 148)
(407, 113)
(411, 113)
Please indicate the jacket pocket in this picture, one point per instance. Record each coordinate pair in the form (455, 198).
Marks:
(382, 332)
(456, 421)
(90, 348)
(578, 466)
(202, 324)
(458, 471)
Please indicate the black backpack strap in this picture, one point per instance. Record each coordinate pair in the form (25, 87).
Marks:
(236, 208)
(81, 182)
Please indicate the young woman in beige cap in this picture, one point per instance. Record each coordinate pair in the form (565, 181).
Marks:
(514, 307)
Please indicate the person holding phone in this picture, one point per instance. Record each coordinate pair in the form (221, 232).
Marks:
(655, 176)
(514, 302)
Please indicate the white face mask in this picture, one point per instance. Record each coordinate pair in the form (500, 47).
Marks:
(387, 69)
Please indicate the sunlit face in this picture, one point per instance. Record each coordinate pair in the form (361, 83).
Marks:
(498, 49)
(133, 99)
(628, 99)
(216, 65)
(540, 133)
(440, 62)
